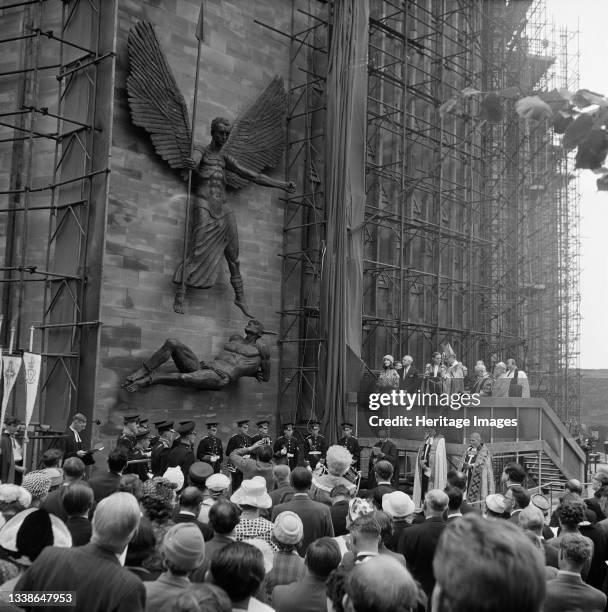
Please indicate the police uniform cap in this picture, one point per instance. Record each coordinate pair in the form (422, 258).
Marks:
(262, 423)
(314, 423)
(164, 425)
(199, 472)
(186, 427)
(210, 425)
(241, 423)
(344, 425)
(142, 432)
(143, 421)
(287, 425)
(131, 418)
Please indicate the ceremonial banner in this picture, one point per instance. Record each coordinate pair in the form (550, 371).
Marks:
(31, 363)
(11, 366)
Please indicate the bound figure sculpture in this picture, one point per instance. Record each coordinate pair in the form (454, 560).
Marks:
(239, 357)
(234, 157)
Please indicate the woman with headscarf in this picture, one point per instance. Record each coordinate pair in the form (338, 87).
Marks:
(388, 379)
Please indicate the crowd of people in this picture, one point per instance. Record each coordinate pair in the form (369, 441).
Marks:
(292, 539)
(445, 374)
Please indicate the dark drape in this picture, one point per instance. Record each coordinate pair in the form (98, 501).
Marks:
(342, 273)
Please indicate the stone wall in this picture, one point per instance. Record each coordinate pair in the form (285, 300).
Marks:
(594, 401)
(145, 221)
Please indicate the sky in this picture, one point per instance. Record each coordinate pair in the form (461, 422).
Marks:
(591, 19)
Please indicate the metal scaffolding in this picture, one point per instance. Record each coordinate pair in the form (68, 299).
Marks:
(51, 175)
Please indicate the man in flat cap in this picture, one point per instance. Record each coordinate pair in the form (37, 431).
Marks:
(182, 453)
(286, 448)
(316, 445)
(210, 448)
(350, 443)
(160, 451)
(241, 439)
(240, 356)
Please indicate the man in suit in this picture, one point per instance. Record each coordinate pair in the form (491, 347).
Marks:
(93, 572)
(489, 561)
(384, 449)
(340, 497)
(384, 474)
(409, 379)
(350, 443)
(182, 455)
(224, 516)
(531, 518)
(418, 543)
(567, 591)
(190, 501)
(241, 439)
(72, 444)
(308, 593)
(283, 490)
(315, 516)
(210, 449)
(107, 483)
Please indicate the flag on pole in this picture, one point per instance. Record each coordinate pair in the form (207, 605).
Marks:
(31, 363)
(11, 364)
(200, 24)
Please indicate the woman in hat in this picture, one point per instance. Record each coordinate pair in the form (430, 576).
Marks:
(338, 462)
(388, 379)
(252, 498)
(158, 503)
(24, 537)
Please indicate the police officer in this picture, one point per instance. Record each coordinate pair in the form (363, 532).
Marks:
(286, 448)
(239, 440)
(128, 436)
(182, 453)
(350, 443)
(210, 448)
(160, 450)
(262, 434)
(316, 446)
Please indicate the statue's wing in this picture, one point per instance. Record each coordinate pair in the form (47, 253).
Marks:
(154, 98)
(257, 138)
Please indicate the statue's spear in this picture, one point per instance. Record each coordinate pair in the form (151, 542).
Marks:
(199, 37)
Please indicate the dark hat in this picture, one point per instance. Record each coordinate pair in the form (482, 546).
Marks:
(157, 423)
(186, 427)
(255, 327)
(142, 432)
(131, 418)
(164, 425)
(241, 423)
(143, 421)
(314, 423)
(213, 424)
(286, 425)
(346, 425)
(261, 423)
(199, 472)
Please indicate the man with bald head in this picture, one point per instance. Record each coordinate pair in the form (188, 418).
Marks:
(381, 584)
(190, 501)
(418, 543)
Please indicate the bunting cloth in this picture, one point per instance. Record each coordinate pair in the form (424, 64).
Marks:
(31, 363)
(11, 364)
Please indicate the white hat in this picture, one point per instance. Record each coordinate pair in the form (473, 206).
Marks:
(217, 482)
(252, 493)
(175, 475)
(397, 504)
(496, 503)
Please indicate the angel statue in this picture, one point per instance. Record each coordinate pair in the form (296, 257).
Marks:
(234, 157)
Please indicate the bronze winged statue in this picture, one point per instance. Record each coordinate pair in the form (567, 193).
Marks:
(234, 157)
